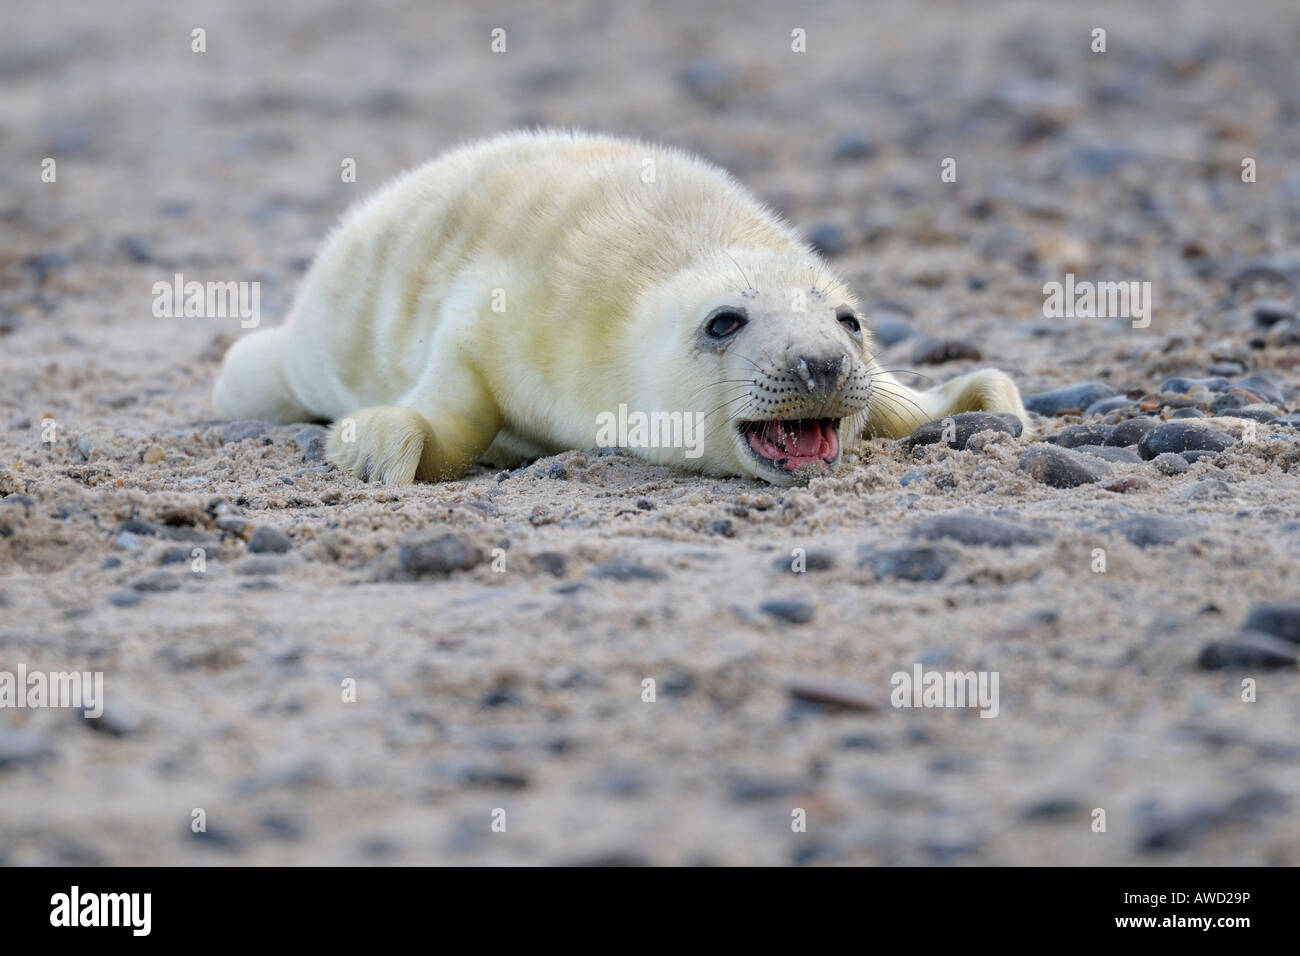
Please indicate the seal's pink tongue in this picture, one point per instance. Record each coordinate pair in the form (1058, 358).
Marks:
(796, 443)
(799, 438)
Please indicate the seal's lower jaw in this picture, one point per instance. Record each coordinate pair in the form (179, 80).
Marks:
(788, 451)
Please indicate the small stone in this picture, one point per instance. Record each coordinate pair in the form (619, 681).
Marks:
(1269, 312)
(1248, 649)
(1187, 413)
(890, 329)
(436, 555)
(1144, 531)
(909, 563)
(154, 582)
(1061, 467)
(243, 430)
(1209, 488)
(978, 531)
(1185, 386)
(1181, 437)
(553, 563)
(269, 541)
(1262, 413)
(261, 564)
(1075, 435)
(125, 598)
(625, 571)
(1122, 484)
(1110, 453)
(1130, 432)
(1170, 463)
(1264, 387)
(832, 693)
(929, 351)
(152, 455)
(18, 747)
(111, 721)
(723, 527)
(1104, 406)
(1069, 398)
(311, 440)
(1276, 618)
(961, 427)
(853, 146)
(828, 239)
(557, 471)
(793, 612)
(813, 559)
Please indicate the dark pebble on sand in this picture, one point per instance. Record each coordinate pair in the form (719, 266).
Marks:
(1104, 406)
(828, 239)
(1062, 467)
(1075, 435)
(930, 351)
(1170, 463)
(1110, 453)
(243, 430)
(1278, 619)
(1261, 415)
(908, 563)
(624, 571)
(853, 146)
(1187, 413)
(157, 581)
(1269, 312)
(436, 555)
(814, 559)
(978, 530)
(1131, 432)
(1144, 531)
(964, 425)
(19, 747)
(1181, 437)
(1248, 649)
(269, 541)
(794, 612)
(1183, 386)
(890, 329)
(554, 563)
(1264, 387)
(1069, 398)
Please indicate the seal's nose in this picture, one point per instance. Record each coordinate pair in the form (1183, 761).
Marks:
(822, 376)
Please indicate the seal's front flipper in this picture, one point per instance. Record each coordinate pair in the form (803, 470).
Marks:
(385, 444)
(896, 410)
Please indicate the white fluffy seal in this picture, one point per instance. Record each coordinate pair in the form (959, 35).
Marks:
(508, 298)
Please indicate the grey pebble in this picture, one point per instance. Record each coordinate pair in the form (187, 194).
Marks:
(243, 430)
(1269, 312)
(1276, 618)
(19, 747)
(1075, 435)
(978, 530)
(1182, 437)
(932, 351)
(1184, 386)
(1170, 463)
(261, 564)
(908, 563)
(625, 571)
(814, 559)
(1062, 467)
(1104, 406)
(828, 239)
(1144, 531)
(1131, 431)
(1109, 453)
(1070, 397)
(1187, 413)
(890, 329)
(156, 581)
(963, 426)
(269, 541)
(436, 555)
(1248, 649)
(794, 612)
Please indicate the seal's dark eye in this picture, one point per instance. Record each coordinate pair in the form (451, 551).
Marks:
(725, 323)
(850, 322)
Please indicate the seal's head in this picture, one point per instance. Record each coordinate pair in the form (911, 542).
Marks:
(778, 362)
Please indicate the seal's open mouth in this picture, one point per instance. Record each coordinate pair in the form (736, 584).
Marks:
(795, 443)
